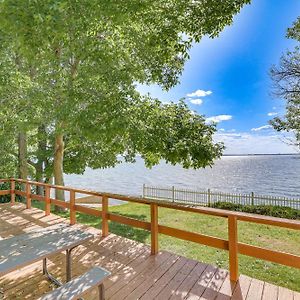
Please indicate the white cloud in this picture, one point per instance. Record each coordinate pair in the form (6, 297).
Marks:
(272, 113)
(258, 142)
(262, 128)
(199, 93)
(218, 119)
(196, 101)
(227, 131)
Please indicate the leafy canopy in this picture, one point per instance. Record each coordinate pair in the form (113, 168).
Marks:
(83, 59)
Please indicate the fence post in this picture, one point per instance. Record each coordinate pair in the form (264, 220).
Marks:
(72, 208)
(252, 198)
(28, 198)
(173, 193)
(144, 187)
(208, 197)
(233, 248)
(154, 228)
(47, 201)
(12, 191)
(104, 216)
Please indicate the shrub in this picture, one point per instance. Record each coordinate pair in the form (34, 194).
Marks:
(5, 186)
(267, 210)
(6, 198)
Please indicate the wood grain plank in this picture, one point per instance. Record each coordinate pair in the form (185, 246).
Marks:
(194, 237)
(285, 294)
(270, 292)
(104, 212)
(143, 283)
(185, 287)
(212, 289)
(226, 290)
(255, 290)
(241, 288)
(129, 221)
(270, 255)
(199, 287)
(296, 296)
(163, 281)
(154, 228)
(87, 210)
(153, 264)
(4, 192)
(175, 282)
(121, 279)
(233, 248)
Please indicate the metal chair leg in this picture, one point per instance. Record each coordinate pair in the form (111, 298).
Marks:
(101, 292)
(44, 266)
(48, 275)
(68, 265)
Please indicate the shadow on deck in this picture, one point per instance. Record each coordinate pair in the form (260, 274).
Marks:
(135, 273)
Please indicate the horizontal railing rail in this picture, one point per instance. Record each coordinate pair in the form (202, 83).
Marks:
(209, 197)
(231, 244)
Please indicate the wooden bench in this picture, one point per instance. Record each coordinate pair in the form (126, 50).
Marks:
(75, 288)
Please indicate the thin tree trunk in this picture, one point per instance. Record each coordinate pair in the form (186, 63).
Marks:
(39, 177)
(22, 153)
(22, 157)
(41, 158)
(58, 165)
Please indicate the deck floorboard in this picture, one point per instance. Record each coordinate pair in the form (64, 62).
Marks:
(135, 273)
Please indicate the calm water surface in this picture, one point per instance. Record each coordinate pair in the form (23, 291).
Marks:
(267, 175)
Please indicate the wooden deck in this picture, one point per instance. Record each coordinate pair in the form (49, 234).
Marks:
(135, 273)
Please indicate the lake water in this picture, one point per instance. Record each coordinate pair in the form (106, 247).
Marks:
(266, 175)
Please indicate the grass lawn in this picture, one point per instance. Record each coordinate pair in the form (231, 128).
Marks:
(271, 237)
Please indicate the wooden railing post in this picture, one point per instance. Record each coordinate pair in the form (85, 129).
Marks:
(208, 197)
(12, 191)
(104, 216)
(233, 248)
(154, 228)
(47, 200)
(72, 208)
(28, 198)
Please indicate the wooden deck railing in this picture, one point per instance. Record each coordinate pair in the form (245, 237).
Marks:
(231, 244)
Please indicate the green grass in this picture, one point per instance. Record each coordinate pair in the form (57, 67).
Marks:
(271, 237)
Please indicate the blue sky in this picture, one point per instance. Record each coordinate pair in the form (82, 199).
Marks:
(234, 68)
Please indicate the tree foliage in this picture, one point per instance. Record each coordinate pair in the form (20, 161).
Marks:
(74, 83)
(286, 79)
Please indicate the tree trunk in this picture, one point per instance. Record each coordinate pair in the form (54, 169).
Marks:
(41, 158)
(39, 177)
(22, 158)
(58, 165)
(22, 155)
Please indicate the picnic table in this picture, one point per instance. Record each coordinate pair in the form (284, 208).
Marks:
(28, 248)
